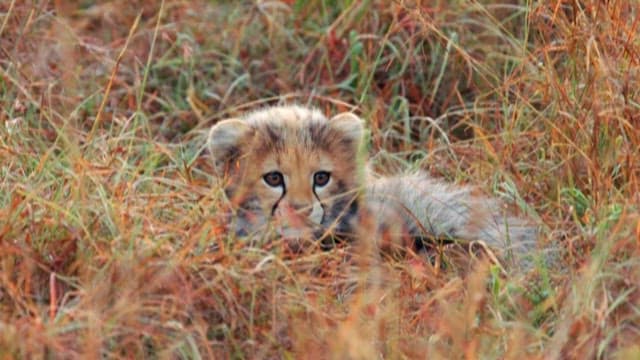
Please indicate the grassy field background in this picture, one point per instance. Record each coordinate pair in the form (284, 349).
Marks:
(111, 243)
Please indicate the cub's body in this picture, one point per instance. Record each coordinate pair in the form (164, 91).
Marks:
(292, 169)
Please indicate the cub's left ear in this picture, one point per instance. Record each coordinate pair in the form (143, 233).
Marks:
(227, 143)
(349, 125)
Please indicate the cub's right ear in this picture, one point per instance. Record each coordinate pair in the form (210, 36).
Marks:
(349, 126)
(226, 142)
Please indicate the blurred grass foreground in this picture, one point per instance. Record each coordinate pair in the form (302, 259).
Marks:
(110, 239)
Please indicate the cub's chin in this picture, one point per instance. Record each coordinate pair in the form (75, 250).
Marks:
(297, 239)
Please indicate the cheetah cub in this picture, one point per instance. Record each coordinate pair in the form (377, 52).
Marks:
(290, 169)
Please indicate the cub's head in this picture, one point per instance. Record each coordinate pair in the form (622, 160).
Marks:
(290, 167)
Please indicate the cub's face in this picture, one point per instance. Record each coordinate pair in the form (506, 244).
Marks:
(292, 168)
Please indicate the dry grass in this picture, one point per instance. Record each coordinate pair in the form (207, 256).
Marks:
(110, 243)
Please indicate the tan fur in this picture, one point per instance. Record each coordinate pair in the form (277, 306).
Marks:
(303, 146)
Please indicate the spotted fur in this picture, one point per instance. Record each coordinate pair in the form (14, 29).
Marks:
(274, 163)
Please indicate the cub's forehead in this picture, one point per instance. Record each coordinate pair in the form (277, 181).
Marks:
(288, 126)
(285, 116)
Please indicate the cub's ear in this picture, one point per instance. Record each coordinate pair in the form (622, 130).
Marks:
(226, 142)
(349, 125)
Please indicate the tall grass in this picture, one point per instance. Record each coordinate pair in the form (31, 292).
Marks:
(111, 240)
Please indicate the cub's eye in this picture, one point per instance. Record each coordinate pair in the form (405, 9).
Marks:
(273, 178)
(321, 178)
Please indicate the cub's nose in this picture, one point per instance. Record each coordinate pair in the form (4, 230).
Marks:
(301, 209)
